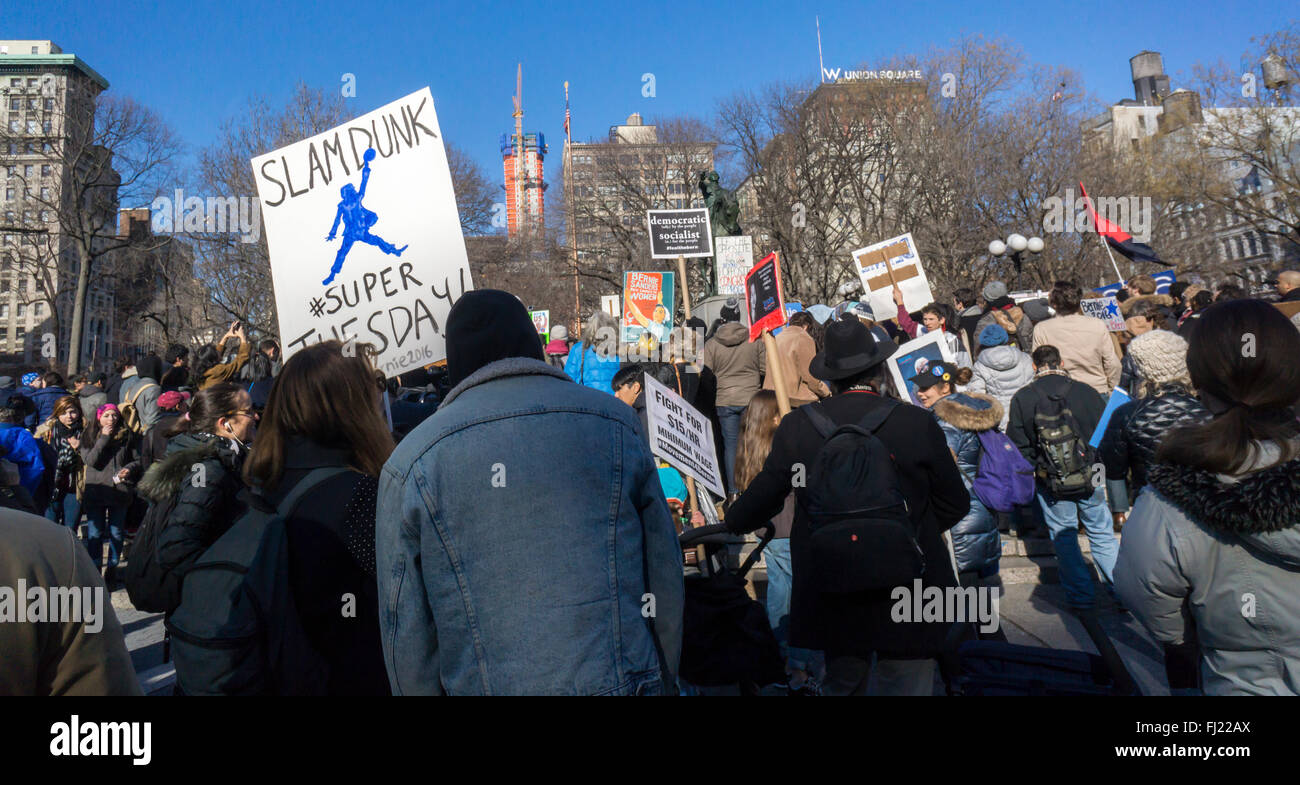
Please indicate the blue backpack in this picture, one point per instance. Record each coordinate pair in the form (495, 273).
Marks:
(1004, 478)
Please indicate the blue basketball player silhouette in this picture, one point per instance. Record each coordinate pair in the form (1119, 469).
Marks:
(357, 221)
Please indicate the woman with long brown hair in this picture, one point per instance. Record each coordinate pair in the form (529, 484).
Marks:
(325, 411)
(110, 454)
(63, 432)
(1218, 528)
(757, 427)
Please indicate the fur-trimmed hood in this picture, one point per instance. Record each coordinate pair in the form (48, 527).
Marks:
(1158, 299)
(969, 411)
(165, 476)
(1262, 508)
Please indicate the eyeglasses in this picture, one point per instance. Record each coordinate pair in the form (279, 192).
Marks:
(244, 412)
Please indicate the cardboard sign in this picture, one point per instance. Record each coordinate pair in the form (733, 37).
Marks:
(734, 258)
(542, 321)
(681, 435)
(1106, 309)
(364, 236)
(675, 233)
(766, 310)
(609, 304)
(914, 358)
(647, 307)
(892, 261)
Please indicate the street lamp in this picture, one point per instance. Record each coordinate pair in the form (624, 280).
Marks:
(1017, 244)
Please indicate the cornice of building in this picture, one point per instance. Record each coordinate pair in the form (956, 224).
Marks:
(55, 60)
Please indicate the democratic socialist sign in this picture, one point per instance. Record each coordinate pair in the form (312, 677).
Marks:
(1106, 309)
(890, 262)
(734, 258)
(681, 435)
(675, 233)
(763, 297)
(364, 236)
(647, 306)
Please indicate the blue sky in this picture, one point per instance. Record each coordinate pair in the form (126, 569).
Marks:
(198, 63)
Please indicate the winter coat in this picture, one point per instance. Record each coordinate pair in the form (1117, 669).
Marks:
(19, 447)
(1135, 430)
(795, 350)
(1087, 351)
(1023, 335)
(175, 378)
(103, 458)
(1228, 550)
(154, 444)
(143, 393)
(44, 400)
(68, 463)
(1001, 371)
(860, 623)
(737, 362)
(91, 397)
(975, 538)
(1082, 401)
(591, 368)
(225, 372)
(201, 472)
(81, 656)
(1165, 302)
(331, 537)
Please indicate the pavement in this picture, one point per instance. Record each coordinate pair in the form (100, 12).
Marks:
(1032, 609)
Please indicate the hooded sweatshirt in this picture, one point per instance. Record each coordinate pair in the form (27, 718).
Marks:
(738, 364)
(484, 326)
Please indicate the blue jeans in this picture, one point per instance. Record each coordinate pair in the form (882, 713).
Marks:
(729, 420)
(64, 510)
(1063, 518)
(99, 517)
(777, 557)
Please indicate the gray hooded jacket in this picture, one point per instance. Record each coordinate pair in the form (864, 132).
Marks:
(1227, 548)
(1001, 371)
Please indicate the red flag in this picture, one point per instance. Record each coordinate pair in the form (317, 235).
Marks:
(1116, 237)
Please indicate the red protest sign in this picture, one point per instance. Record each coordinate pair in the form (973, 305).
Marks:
(763, 297)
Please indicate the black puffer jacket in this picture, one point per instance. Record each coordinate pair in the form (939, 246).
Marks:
(1136, 429)
(201, 472)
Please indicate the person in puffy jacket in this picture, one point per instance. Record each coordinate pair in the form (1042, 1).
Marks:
(201, 471)
(1164, 402)
(1213, 543)
(738, 364)
(594, 362)
(975, 539)
(1001, 370)
(110, 453)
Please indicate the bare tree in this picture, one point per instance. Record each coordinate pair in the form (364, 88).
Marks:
(474, 194)
(101, 150)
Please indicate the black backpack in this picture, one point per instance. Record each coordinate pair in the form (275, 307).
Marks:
(150, 588)
(237, 630)
(1066, 457)
(862, 537)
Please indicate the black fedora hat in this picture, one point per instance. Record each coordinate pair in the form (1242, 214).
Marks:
(849, 350)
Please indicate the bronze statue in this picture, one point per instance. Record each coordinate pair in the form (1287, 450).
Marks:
(724, 208)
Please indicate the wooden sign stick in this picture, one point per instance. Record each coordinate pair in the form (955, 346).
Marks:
(778, 376)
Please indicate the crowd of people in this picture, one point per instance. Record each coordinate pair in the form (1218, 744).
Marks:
(459, 558)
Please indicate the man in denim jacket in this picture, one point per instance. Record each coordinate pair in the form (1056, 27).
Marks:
(522, 539)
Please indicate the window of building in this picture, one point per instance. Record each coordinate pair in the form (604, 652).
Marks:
(15, 82)
(49, 104)
(45, 170)
(22, 309)
(4, 310)
(15, 104)
(31, 80)
(9, 194)
(4, 333)
(20, 334)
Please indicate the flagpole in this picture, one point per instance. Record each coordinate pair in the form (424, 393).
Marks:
(1097, 230)
(568, 191)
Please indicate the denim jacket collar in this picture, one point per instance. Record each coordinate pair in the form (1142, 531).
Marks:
(510, 366)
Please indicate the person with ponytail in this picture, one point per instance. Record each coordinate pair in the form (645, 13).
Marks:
(1213, 542)
(200, 473)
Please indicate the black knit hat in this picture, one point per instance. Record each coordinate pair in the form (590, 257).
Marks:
(486, 325)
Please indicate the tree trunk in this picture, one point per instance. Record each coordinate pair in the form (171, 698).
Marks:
(78, 313)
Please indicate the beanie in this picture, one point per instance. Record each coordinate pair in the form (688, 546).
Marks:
(994, 290)
(1160, 356)
(730, 310)
(486, 325)
(993, 335)
(559, 333)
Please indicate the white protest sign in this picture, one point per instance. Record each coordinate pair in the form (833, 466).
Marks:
(541, 320)
(610, 304)
(734, 258)
(681, 435)
(1106, 309)
(885, 263)
(364, 236)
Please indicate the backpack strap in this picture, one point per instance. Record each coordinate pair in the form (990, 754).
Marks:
(314, 477)
(139, 390)
(870, 423)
